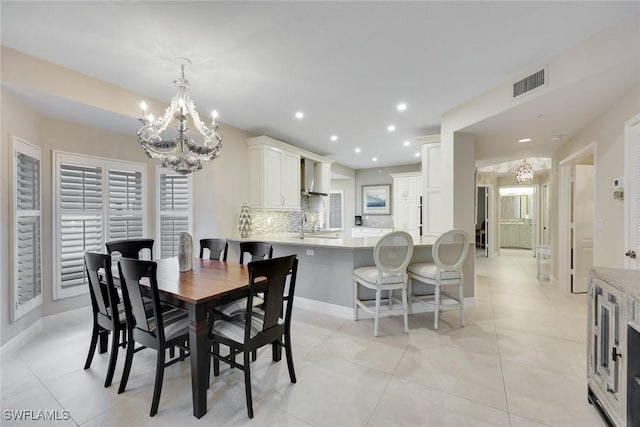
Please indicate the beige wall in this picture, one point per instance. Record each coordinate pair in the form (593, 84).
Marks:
(608, 132)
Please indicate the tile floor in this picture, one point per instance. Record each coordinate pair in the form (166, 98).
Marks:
(520, 361)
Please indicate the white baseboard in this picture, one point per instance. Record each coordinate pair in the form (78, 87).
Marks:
(47, 323)
(22, 338)
(347, 312)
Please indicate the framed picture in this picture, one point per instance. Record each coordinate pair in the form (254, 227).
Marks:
(376, 199)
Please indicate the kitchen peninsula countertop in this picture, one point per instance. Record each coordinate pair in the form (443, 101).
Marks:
(328, 241)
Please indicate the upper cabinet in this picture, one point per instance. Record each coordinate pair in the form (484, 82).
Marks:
(275, 173)
(407, 190)
(275, 179)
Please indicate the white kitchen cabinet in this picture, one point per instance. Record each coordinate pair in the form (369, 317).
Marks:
(407, 190)
(433, 221)
(275, 178)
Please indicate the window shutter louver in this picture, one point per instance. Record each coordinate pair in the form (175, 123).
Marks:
(174, 211)
(125, 205)
(98, 199)
(27, 270)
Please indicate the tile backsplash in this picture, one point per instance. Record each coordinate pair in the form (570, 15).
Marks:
(264, 222)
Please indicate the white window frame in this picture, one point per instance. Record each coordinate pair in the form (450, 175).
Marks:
(24, 147)
(341, 193)
(60, 157)
(159, 213)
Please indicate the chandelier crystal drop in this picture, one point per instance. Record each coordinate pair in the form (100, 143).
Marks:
(179, 152)
(524, 173)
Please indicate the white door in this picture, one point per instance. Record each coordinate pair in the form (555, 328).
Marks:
(583, 209)
(631, 194)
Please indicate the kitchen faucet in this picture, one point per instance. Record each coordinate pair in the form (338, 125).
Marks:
(303, 220)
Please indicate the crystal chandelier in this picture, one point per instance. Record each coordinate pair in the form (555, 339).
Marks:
(179, 152)
(524, 173)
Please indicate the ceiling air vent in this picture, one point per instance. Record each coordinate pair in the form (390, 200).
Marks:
(529, 83)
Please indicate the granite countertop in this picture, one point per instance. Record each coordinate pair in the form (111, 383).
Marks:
(628, 280)
(328, 241)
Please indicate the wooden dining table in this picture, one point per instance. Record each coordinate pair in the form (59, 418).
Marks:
(208, 284)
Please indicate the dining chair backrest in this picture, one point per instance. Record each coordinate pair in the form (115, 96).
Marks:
(270, 278)
(217, 249)
(393, 252)
(132, 272)
(257, 250)
(102, 290)
(130, 248)
(450, 249)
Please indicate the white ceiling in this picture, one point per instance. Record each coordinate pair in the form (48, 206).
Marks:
(345, 64)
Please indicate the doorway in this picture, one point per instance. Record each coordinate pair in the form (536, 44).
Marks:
(518, 217)
(576, 219)
(483, 223)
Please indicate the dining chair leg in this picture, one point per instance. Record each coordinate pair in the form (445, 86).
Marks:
(254, 355)
(276, 350)
(115, 345)
(461, 297)
(289, 355)
(406, 310)
(216, 362)
(104, 340)
(172, 352)
(247, 383)
(127, 364)
(437, 308)
(376, 313)
(92, 346)
(157, 389)
(409, 294)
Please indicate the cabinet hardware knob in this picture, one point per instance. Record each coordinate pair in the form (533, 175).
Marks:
(631, 254)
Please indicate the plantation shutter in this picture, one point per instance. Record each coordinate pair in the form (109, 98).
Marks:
(335, 210)
(125, 205)
(27, 266)
(174, 210)
(81, 224)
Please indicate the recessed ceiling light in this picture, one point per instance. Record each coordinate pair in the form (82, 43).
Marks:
(402, 106)
(557, 137)
(406, 143)
(334, 137)
(417, 154)
(374, 159)
(357, 150)
(299, 115)
(391, 128)
(525, 140)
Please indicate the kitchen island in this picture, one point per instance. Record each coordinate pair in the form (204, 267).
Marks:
(326, 264)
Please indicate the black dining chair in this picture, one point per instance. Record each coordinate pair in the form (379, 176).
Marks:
(217, 249)
(108, 313)
(257, 250)
(254, 328)
(159, 331)
(130, 248)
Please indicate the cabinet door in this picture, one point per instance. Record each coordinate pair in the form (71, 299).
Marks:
(291, 181)
(400, 215)
(412, 187)
(400, 188)
(411, 217)
(273, 197)
(607, 350)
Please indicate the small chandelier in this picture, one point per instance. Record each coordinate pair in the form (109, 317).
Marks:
(524, 173)
(179, 152)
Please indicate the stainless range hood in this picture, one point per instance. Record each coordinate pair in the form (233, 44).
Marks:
(311, 181)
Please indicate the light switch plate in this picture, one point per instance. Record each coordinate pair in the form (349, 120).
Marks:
(310, 252)
(599, 224)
